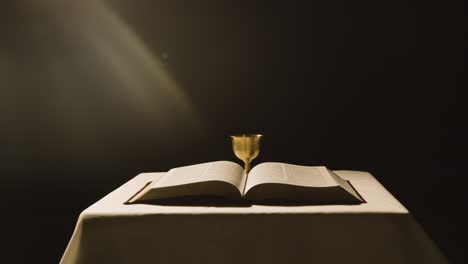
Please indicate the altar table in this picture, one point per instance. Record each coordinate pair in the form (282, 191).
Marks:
(378, 231)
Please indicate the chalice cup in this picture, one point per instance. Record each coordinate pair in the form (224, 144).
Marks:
(246, 147)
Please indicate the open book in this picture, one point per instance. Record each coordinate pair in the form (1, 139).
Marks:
(265, 183)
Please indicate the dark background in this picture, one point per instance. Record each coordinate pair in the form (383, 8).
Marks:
(358, 85)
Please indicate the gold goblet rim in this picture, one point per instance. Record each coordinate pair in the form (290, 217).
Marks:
(246, 135)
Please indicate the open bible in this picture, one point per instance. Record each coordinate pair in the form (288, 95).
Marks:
(265, 183)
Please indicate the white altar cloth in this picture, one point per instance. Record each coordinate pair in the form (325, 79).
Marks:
(378, 231)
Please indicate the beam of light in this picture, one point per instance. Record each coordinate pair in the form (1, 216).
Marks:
(95, 28)
(77, 84)
(141, 72)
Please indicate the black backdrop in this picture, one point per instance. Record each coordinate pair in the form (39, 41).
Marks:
(366, 85)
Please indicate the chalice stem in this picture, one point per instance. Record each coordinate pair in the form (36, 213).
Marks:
(247, 166)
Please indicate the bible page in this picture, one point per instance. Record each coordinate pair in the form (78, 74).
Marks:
(226, 171)
(282, 173)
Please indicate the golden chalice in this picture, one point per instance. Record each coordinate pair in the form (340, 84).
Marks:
(246, 147)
